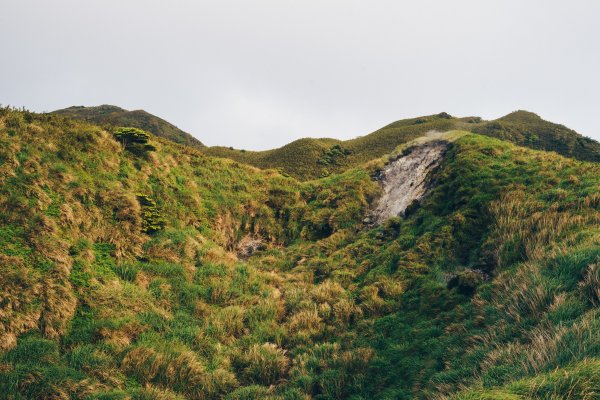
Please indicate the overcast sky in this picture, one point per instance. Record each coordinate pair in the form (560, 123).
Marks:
(257, 74)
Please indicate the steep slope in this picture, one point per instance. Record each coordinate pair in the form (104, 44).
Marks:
(116, 116)
(120, 279)
(488, 290)
(118, 272)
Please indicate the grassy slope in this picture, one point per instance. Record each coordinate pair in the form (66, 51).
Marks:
(116, 116)
(290, 159)
(306, 158)
(301, 158)
(108, 309)
(528, 129)
(95, 308)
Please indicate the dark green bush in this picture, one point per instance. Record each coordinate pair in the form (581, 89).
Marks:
(128, 136)
(152, 218)
(334, 155)
(134, 140)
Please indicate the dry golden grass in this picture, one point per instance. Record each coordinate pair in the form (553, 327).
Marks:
(306, 322)
(19, 289)
(590, 284)
(117, 299)
(264, 364)
(182, 370)
(537, 230)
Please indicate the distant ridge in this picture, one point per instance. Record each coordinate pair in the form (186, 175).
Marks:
(112, 115)
(313, 158)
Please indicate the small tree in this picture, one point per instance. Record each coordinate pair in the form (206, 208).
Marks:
(133, 139)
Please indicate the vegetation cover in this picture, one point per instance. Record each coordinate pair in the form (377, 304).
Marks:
(108, 116)
(308, 158)
(122, 276)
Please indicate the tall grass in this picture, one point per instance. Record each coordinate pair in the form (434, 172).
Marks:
(96, 306)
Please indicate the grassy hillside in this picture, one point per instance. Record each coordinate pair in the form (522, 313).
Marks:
(298, 158)
(313, 158)
(123, 275)
(310, 158)
(528, 129)
(116, 116)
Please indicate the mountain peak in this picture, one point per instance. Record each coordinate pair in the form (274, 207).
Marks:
(521, 116)
(104, 108)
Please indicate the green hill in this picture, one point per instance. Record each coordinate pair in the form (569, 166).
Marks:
(116, 116)
(298, 158)
(528, 129)
(138, 268)
(311, 158)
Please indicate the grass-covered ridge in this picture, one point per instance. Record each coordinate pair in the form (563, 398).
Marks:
(116, 116)
(312, 158)
(488, 289)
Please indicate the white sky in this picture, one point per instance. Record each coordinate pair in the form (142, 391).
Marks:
(257, 74)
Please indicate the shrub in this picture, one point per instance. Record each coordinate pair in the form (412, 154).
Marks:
(14, 120)
(134, 140)
(334, 155)
(128, 136)
(152, 218)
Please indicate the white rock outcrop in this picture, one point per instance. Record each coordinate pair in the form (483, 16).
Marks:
(406, 179)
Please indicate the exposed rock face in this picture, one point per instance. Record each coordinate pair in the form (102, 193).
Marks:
(405, 180)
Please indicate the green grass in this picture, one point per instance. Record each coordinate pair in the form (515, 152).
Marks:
(116, 116)
(97, 306)
(307, 158)
(527, 129)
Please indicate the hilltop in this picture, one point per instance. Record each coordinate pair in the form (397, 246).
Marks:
(528, 129)
(133, 267)
(116, 116)
(313, 158)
